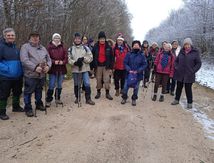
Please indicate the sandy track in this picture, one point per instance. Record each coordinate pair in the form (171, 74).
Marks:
(108, 132)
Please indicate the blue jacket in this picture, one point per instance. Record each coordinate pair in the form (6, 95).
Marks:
(10, 65)
(135, 62)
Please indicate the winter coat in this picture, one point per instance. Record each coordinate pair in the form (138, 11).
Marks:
(80, 51)
(135, 62)
(10, 64)
(119, 57)
(176, 51)
(57, 53)
(109, 63)
(169, 69)
(186, 66)
(31, 56)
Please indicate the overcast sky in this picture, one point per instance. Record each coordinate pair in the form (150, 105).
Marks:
(149, 13)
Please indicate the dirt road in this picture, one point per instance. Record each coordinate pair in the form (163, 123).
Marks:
(151, 132)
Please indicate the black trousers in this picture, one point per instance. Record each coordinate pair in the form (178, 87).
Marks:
(171, 85)
(6, 86)
(188, 90)
(119, 79)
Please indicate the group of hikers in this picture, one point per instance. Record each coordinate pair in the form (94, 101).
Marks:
(167, 66)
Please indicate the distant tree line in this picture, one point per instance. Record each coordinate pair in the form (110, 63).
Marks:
(195, 20)
(65, 17)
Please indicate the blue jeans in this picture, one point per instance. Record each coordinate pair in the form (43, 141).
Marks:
(135, 91)
(78, 79)
(81, 77)
(55, 80)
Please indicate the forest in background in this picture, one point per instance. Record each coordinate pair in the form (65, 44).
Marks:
(65, 17)
(195, 19)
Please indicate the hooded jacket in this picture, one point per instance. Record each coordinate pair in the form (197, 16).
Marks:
(10, 64)
(186, 66)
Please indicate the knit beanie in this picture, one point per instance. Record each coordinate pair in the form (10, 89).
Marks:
(101, 35)
(187, 41)
(56, 35)
(136, 42)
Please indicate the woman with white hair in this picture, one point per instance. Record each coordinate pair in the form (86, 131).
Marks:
(59, 57)
(164, 68)
(187, 64)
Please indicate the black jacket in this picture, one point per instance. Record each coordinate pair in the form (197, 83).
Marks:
(186, 66)
(109, 63)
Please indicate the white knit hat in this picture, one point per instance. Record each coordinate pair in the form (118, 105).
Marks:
(120, 38)
(187, 41)
(56, 35)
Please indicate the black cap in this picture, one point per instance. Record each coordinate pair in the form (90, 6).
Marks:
(136, 42)
(102, 35)
(77, 34)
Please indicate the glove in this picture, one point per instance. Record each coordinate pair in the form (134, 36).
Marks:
(46, 69)
(78, 63)
(81, 59)
(38, 69)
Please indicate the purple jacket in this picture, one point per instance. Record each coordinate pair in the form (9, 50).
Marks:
(186, 65)
(169, 69)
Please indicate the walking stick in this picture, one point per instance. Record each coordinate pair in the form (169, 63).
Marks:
(79, 87)
(45, 93)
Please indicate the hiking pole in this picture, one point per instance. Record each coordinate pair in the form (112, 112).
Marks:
(79, 87)
(45, 93)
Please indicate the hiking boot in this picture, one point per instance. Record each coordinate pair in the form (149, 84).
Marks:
(108, 96)
(123, 101)
(161, 99)
(117, 92)
(3, 114)
(18, 109)
(29, 113)
(175, 102)
(189, 106)
(133, 102)
(40, 107)
(48, 104)
(154, 98)
(90, 102)
(59, 102)
(98, 95)
(172, 93)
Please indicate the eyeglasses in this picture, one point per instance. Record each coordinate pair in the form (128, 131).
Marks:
(10, 35)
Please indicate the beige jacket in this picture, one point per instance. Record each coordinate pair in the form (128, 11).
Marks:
(76, 52)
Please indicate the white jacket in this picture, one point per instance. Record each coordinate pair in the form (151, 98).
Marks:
(80, 51)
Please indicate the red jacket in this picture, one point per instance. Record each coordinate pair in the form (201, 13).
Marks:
(57, 53)
(169, 69)
(119, 58)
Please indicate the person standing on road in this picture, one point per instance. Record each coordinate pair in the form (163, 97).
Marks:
(103, 63)
(172, 82)
(59, 58)
(11, 74)
(187, 64)
(164, 68)
(135, 64)
(36, 63)
(80, 57)
(120, 50)
(145, 49)
(153, 51)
